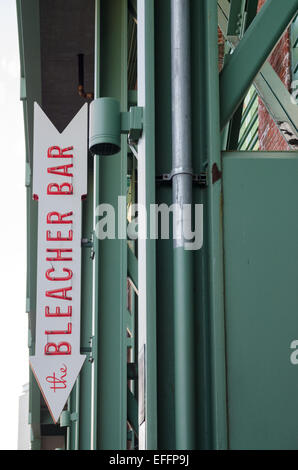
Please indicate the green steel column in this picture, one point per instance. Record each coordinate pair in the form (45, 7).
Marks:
(146, 246)
(86, 318)
(109, 403)
(95, 297)
(164, 248)
(215, 227)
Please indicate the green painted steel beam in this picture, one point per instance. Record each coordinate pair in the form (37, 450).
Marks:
(274, 95)
(236, 19)
(146, 246)
(223, 11)
(86, 317)
(213, 244)
(278, 102)
(164, 248)
(109, 402)
(251, 53)
(234, 129)
(240, 18)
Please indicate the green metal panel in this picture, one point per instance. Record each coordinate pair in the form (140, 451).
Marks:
(261, 268)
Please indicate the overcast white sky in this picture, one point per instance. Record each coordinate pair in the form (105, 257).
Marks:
(13, 331)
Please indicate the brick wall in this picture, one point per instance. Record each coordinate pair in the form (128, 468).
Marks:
(269, 135)
(221, 49)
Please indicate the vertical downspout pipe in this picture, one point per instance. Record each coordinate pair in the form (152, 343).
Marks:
(182, 258)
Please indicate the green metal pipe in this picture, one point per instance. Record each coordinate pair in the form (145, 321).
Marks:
(184, 350)
(251, 53)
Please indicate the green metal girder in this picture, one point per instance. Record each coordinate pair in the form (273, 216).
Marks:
(214, 239)
(278, 102)
(223, 11)
(251, 53)
(164, 248)
(234, 129)
(110, 270)
(274, 94)
(241, 16)
(236, 19)
(86, 318)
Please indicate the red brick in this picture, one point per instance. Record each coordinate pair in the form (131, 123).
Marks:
(269, 136)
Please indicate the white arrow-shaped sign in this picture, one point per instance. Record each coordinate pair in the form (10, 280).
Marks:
(59, 184)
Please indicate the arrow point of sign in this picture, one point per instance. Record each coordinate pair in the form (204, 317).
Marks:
(56, 377)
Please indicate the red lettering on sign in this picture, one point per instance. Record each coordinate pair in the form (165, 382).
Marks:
(58, 313)
(59, 237)
(65, 270)
(58, 384)
(57, 152)
(53, 349)
(55, 189)
(61, 170)
(67, 332)
(54, 293)
(60, 218)
(59, 251)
